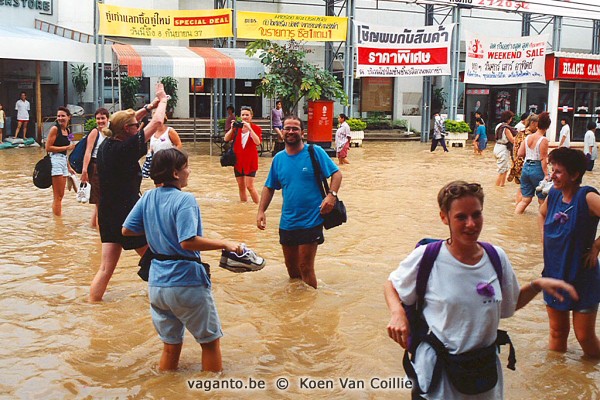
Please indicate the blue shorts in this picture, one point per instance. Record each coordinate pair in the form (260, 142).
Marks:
(482, 144)
(174, 309)
(59, 164)
(530, 178)
(278, 126)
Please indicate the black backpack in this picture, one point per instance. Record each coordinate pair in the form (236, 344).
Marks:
(42, 173)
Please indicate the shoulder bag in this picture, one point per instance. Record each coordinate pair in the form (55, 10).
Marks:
(228, 158)
(337, 215)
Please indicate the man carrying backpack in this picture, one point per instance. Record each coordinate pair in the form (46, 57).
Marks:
(446, 300)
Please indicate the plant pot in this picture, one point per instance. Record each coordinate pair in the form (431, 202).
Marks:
(457, 138)
(356, 138)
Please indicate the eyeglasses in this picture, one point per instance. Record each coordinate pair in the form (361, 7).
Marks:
(136, 124)
(463, 188)
(292, 129)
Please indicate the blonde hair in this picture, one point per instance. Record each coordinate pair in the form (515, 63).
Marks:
(117, 123)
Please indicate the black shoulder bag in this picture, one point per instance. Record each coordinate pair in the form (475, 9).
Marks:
(228, 158)
(337, 215)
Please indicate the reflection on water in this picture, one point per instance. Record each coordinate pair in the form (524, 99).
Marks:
(56, 345)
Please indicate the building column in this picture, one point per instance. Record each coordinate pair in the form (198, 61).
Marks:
(553, 89)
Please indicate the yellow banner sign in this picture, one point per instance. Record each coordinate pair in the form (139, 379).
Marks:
(165, 24)
(309, 28)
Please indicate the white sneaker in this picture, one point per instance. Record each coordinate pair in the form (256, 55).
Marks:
(544, 186)
(246, 262)
(83, 195)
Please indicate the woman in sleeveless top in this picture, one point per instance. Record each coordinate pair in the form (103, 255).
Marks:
(570, 218)
(89, 172)
(164, 138)
(531, 125)
(57, 144)
(535, 167)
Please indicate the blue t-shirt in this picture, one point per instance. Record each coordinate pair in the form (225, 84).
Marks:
(301, 195)
(481, 132)
(168, 217)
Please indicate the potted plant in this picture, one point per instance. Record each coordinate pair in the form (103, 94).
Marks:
(357, 133)
(80, 79)
(130, 87)
(89, 125)
(170, 85)
(457, 132)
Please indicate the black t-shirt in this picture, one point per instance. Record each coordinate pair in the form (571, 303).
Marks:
(62, 140)
(120, 173)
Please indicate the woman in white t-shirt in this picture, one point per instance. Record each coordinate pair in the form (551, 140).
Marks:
(463, 300)
(590, 149)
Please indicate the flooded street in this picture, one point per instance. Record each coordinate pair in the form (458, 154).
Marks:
(55, 345)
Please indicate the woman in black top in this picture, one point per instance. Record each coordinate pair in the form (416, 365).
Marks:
(120, 180)
(57, 144)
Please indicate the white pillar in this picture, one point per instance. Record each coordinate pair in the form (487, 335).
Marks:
(553, 88)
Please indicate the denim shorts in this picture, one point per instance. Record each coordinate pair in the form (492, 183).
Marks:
(59, 164)
(176, 308)
(530, 178)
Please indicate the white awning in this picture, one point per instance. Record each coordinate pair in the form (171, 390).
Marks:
(31, 44)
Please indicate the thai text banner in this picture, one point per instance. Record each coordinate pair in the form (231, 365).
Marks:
(164, 24)
(500, 61)
(395, 51)
(308, 28)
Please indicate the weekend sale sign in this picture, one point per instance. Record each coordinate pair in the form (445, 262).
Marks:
(501, 61)
(394, 51)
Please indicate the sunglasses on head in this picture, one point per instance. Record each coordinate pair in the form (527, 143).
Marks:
(460, 189)
(136, 124)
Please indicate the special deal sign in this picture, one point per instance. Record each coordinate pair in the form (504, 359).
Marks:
(308, 28)
(500, 61)
(164, 24)
(394, 51)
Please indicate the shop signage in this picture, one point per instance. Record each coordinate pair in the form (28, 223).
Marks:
(399, 51)
(589, 9)
(501, 61)
(164, 24)
(42, 6)
(308, 28)
(577, 68)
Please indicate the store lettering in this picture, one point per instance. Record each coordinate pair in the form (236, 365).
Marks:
(594, 69)
(573, 68)
(41, 5)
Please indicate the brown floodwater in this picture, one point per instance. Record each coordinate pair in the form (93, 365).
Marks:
(55, 345)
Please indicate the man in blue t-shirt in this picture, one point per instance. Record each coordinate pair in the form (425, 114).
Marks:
(480, 141)
(301, 224)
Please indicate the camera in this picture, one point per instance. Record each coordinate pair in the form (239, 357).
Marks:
(238, 124)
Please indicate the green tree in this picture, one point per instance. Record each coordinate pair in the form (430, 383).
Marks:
(130, 86)
(290, 77)
(80, 79)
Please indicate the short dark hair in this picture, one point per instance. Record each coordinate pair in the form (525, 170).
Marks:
(65, 109)
(506, 116)
(102, 111)
(524, 116)
(230, 108)
(165, 163)
(563, 119)
(544, 121)
(479, 121)
(573, 160)
(591, 125)
(343, 116)
(295, 118)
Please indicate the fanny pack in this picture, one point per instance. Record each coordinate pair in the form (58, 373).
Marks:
(148, 256)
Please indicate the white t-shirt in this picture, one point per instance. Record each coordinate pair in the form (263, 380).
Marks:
(590, 140)
(342, 135)
(462, 319)
(565, 132)
(520, 126)
(438, 125)
(22, 108)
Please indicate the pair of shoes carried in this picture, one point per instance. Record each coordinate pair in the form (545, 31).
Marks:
(72, 182)
(248, 261)
(83, 195)
(544, 186)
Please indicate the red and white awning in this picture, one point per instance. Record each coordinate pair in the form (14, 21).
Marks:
(186, 62)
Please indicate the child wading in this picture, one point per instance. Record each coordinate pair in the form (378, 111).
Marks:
(179, 285)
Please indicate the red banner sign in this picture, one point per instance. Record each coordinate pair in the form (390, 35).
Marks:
(379, 56)
(577, 68)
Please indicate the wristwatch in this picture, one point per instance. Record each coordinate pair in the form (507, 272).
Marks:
(333, 193)
(147, 108)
